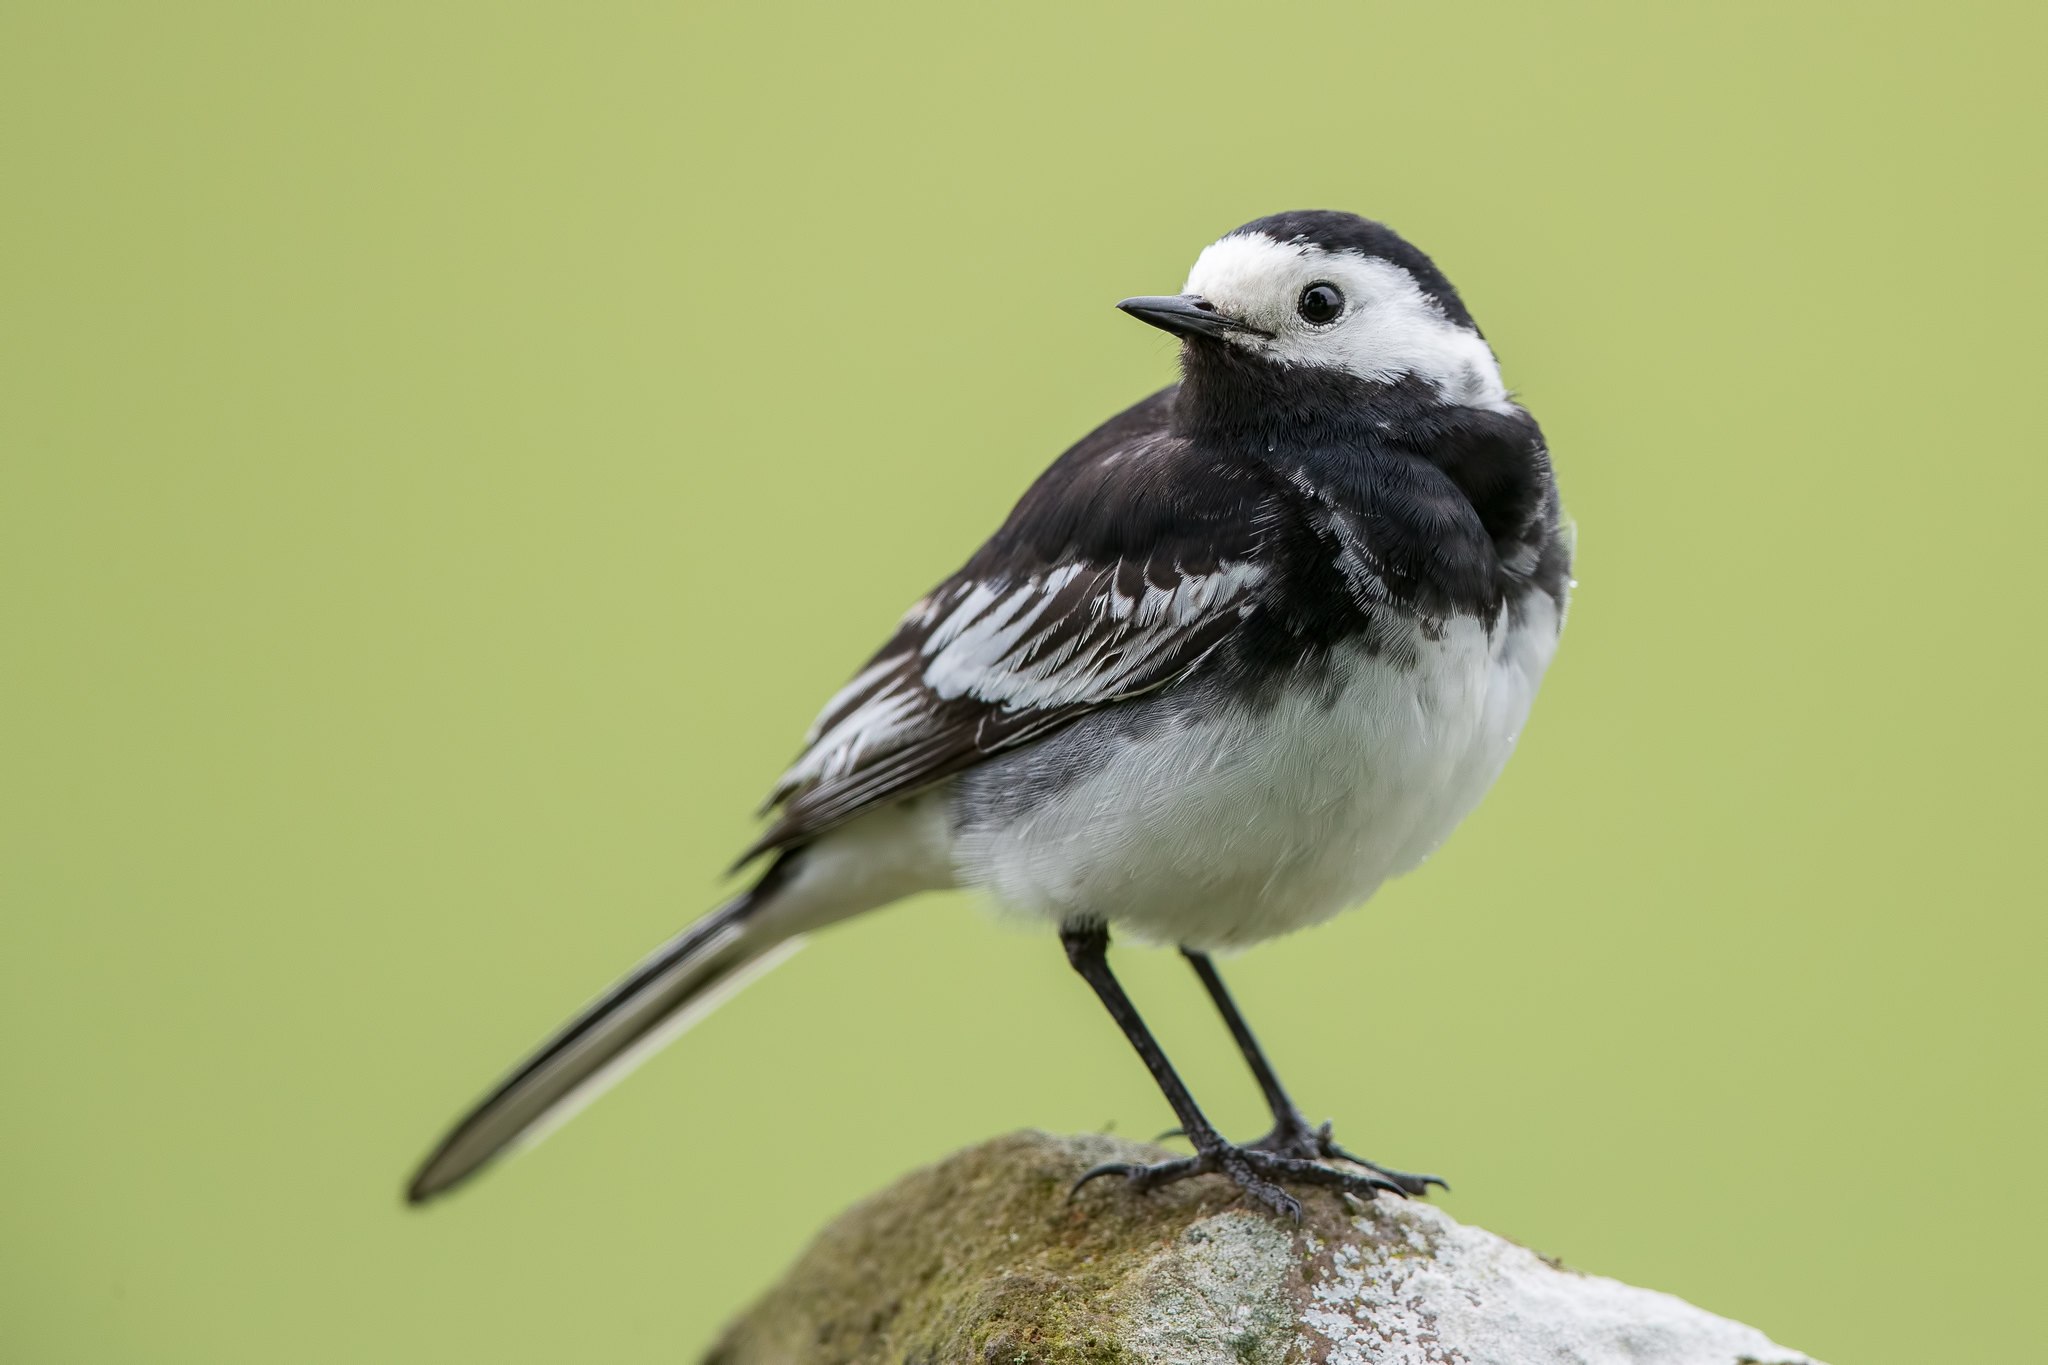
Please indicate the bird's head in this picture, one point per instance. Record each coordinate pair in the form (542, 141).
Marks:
(1333, 293)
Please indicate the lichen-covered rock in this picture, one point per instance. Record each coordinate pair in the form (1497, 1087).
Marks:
(983, 1260)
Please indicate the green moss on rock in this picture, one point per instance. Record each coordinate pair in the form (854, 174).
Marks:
(983, 1258)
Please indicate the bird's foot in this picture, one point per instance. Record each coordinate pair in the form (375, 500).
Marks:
(1296, 1138)
(1255, 1170)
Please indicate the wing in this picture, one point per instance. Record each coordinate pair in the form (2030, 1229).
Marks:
(1124, 568)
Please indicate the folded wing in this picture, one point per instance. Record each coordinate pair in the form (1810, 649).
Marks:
(1119, 573)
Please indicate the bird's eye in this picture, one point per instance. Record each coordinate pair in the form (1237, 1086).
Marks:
(1320, 303)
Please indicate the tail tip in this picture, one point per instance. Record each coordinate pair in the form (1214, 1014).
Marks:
(419, 1192)
(430, 1183)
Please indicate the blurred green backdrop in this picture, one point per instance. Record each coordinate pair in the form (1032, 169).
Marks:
(450, 451)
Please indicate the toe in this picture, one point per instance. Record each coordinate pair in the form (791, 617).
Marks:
(1328, 1177)
(1164, 1173)
(1415, 1185)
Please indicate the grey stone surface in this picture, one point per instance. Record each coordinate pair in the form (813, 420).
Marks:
(982, 1260)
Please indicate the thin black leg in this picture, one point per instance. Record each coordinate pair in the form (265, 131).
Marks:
(1292, 1134)
(1088, 950)
(1262, 1070)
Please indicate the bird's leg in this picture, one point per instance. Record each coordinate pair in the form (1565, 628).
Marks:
(1292, 1134)
(1088, 950)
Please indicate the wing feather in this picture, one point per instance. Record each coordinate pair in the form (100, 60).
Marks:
(1120, 572)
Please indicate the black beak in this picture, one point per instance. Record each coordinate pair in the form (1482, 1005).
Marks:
(1186, 315)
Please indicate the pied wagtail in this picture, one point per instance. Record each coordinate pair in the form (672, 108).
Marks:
(1251, 647)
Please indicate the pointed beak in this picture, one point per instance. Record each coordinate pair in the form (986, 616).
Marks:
(1186, 315)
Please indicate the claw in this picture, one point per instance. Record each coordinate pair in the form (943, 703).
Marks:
(1276, 1199)
(1123, 1168)
(1416, 1186)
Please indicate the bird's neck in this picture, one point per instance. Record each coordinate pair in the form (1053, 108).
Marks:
(1234, 400)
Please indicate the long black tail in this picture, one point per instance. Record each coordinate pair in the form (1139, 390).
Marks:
(675, 986)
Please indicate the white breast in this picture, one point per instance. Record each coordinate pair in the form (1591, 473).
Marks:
(1234, 823)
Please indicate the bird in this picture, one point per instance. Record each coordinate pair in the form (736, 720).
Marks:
(1250, 648)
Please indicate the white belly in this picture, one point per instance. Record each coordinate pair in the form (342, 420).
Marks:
(1237, 823)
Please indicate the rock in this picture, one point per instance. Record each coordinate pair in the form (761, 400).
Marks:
(982, 1260)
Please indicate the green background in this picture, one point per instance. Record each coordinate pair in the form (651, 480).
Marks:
(450, 451)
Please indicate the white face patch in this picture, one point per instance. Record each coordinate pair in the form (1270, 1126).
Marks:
(1389, 327)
